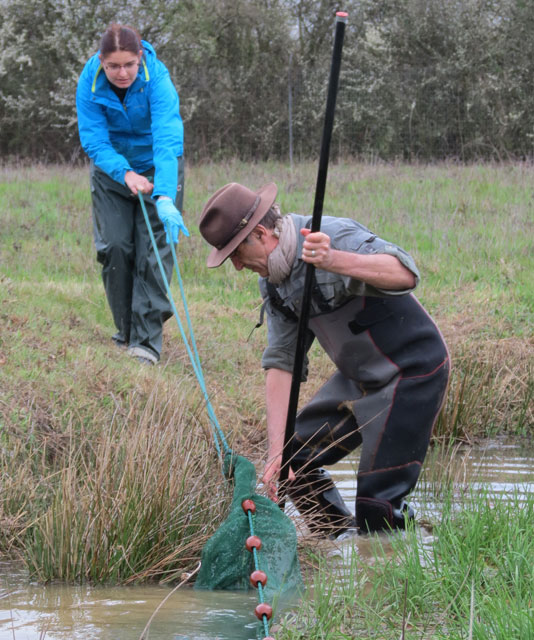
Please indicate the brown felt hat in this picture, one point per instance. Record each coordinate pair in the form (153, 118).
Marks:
(230, 215)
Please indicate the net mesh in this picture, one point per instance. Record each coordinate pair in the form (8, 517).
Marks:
(226, 562)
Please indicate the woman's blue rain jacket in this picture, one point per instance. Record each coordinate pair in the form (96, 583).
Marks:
(144, 131)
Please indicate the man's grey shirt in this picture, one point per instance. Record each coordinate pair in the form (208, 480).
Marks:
(345, 235)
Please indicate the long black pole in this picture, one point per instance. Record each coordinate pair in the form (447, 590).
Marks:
(300, 349)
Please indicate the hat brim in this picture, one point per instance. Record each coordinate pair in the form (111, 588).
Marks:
(267, 196)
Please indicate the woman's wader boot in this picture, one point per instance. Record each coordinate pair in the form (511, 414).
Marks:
(132, 280)
(320, 503)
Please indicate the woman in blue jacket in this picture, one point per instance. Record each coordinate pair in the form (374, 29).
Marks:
(130, 127)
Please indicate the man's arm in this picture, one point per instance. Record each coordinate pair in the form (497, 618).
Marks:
(277, 391)
(379, 270)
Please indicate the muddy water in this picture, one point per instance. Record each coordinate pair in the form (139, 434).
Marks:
(59, 612)
(499, 467)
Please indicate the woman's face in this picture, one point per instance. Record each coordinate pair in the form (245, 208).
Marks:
(121, 67)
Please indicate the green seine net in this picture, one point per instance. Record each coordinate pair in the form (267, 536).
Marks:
(227, 564)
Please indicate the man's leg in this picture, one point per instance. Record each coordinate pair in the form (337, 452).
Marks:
(325, 432)
(394, 447)
(113, 230)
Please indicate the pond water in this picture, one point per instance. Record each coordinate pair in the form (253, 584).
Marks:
(58, 612)
(61, 612)
(500, 466)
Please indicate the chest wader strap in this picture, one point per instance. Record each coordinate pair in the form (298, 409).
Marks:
(277, 303)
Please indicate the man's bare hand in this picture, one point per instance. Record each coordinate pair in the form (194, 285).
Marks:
(271, 473)
(316, 248)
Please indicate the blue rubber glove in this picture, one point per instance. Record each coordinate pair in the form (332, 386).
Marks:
(171, 218)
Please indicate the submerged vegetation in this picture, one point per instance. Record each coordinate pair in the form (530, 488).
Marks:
(107, 469)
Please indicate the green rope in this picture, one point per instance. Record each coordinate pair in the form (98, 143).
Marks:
(197, 368)
(194, 358)
(257, 568)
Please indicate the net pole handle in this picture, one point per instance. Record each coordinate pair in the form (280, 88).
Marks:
(300, 348)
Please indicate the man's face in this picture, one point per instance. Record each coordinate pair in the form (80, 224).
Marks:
(252, 254)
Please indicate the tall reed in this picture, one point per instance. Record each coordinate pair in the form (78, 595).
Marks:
(130, 500)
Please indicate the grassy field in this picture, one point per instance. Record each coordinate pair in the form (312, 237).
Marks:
(108, 471)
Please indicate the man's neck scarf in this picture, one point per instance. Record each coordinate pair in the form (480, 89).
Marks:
(282, 257)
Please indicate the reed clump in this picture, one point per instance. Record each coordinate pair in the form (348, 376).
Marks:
(491, 389)
(120, 500)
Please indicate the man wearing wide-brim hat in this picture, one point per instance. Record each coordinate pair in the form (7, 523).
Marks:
(392, 364)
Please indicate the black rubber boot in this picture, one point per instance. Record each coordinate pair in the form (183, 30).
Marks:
(373, 514)
(380, 504)
(319, 502)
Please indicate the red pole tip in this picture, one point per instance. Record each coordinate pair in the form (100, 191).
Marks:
(342, 15)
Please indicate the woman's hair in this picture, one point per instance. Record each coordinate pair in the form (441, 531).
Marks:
(118, 37)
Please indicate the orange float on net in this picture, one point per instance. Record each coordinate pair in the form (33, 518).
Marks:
(248, 505)
(258, 576)
(263, 609)
(253, 542)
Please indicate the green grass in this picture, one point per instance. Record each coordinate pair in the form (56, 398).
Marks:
(474, 579)
(70, 398)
